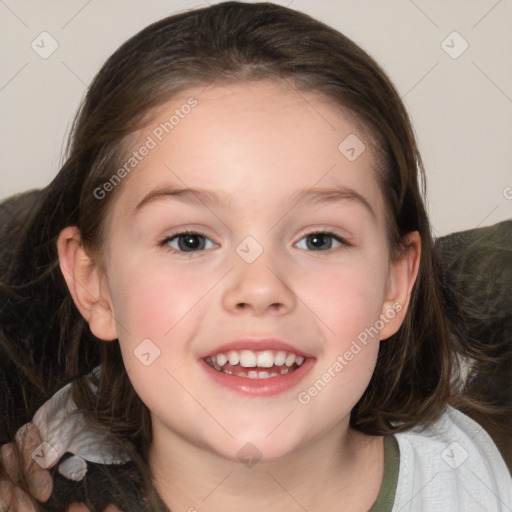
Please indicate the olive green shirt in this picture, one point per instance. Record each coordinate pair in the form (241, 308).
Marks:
(386, 497)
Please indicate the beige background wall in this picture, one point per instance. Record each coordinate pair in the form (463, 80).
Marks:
(461, 105)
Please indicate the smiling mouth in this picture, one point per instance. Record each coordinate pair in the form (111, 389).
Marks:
(255, 365)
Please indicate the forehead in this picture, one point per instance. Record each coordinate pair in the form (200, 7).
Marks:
(252, 141)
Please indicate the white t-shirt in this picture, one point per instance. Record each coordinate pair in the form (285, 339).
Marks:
(452, 466)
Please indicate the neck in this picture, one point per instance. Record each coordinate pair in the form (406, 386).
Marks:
(314, 477)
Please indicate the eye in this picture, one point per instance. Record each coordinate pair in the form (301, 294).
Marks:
(322, 240)
(187, 241)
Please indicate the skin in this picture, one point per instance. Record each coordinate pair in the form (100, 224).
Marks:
(257, 143)
(39, 480)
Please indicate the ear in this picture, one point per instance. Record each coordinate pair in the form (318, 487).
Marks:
(86, 284)
(402, 276)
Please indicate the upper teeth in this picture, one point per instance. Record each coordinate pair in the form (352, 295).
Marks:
(263, 359)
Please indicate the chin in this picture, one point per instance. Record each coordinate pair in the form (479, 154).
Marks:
(250, 450)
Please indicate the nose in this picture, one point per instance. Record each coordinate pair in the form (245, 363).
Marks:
(258, 287)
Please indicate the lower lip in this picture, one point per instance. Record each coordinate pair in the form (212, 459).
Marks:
(259, 387)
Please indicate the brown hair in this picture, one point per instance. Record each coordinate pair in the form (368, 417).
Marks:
(230, 41)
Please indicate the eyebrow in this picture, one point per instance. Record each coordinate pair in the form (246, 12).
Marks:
(209, 198)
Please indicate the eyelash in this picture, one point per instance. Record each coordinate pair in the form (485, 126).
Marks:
(164, 243)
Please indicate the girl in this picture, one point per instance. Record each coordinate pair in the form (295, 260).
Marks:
(238, 246)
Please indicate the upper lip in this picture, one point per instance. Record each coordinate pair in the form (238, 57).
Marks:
(256, 344)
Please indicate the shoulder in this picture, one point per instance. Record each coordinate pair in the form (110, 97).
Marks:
(451, 465)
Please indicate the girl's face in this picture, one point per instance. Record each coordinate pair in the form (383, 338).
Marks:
(257, 267)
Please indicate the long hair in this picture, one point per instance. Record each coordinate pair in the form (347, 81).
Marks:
(230, 41)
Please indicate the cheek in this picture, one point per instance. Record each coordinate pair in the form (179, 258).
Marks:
(153, 302)
(347, 298)
(150, 301)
